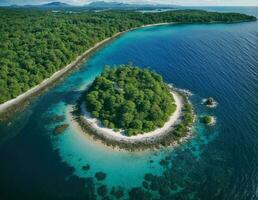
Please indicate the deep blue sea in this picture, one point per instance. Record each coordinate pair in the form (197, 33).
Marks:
(218, 162)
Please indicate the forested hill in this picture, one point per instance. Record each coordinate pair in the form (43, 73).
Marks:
(34, 44)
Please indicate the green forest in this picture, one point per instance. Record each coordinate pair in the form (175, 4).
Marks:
(129, 98)
(35, 43)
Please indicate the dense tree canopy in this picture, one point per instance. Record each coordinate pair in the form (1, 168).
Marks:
(206, 119)
(136, 100)
(34, 43)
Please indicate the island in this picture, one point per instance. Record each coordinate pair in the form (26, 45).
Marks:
(208, 120)
(128, 106)
(210, 102)
(130, 99)
(49, 50)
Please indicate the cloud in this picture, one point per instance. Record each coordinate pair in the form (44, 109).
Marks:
(178, 2)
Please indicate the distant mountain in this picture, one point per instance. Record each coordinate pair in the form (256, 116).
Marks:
(118, 5)
(55, 4)
(103, 4)
(96, 5)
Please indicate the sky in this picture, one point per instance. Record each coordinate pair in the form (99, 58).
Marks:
(177, 2)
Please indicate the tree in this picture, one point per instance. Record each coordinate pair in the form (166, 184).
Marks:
(42, 43)
(207, 119)
(126, 119)
(136, 124)
(135, 105)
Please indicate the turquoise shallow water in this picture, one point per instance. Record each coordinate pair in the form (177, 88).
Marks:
(220, 162)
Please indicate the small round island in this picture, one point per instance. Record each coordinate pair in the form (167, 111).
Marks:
(210, 102)
(134, 108)
(208, 120)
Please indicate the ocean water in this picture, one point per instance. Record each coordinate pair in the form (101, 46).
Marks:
(218, 162)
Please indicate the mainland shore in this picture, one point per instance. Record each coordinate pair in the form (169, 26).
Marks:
(4, 107)
(12, 104)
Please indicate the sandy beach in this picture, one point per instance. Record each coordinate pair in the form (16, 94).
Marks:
(54, 77)
(159, 24)
(118, 136)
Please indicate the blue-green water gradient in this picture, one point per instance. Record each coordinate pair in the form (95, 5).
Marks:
(219, 162)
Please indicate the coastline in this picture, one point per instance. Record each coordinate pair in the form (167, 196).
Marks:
(22, 98)
(118, 136)
(213, 121)
(161, 137)
(4, 107)
(12, 105)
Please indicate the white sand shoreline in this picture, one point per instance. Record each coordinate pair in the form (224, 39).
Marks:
(159, 24)
(213, 121)
(12, 102)
(53, 78)
(118, 136)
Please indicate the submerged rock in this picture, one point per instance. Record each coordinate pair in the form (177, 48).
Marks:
(100, 176)
(163, 162)
(209, 102)
(145, 184)
(106, 198)
(149, 177)
(102, 190)
(164, 190)
(117, 192)
(139, 194)
(57, 118)
(60, 129)
(90, 188)
(154, 185)
(86, 167)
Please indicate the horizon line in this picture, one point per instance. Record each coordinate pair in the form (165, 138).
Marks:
(135, 3)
